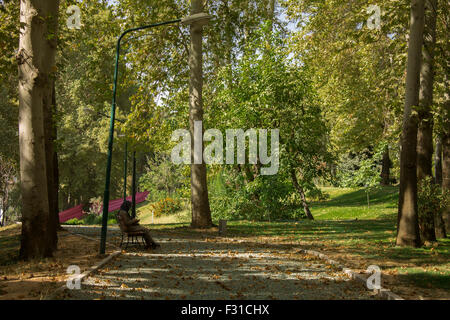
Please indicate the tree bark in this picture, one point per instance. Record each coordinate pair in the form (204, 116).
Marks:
(271, 12)
(446, 171)
(302, 195)
(438, 161)
(56, 189)
(201, 212)
(49, 130)
(446, 151)
(425, 129)
(36, 60)
(55, 165)
(5, 200)
(407, 222)
(386, 168)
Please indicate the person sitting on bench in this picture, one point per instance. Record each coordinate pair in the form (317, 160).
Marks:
(132, 225)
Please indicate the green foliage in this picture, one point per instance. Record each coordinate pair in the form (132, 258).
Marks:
(431, 199)
(360, 169)
(85, 69)
(166, 206)
(263, 199)
(74, 222)
(92, 219)
(162, 178)
(267, 89)
(358, 72)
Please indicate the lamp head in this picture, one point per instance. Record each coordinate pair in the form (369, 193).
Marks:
(198, 18)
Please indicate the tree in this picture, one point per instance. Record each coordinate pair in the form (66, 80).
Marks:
(438, 161)
(446, 155)
(36, 60)
(441, 112)
(361, 85)
(7, 174)
(407, 221)
(425, 128)
(201, 212)
(267, 89)
(446, 173)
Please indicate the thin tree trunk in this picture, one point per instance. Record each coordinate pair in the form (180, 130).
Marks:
(425, 129)
(248, 173)
(446, 173)
(55, 164)
(438, 161)
(385, 168)
(5, 206)
(271, 12)
(201, 212)
(56, 190)
(446, 151)
(49, 130)
(36, 60)
(302, 195)
(407, 222)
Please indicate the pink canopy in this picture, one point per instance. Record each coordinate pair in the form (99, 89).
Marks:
(77, 212)
(115, 204)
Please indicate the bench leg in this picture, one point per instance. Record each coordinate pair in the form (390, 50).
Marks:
(128, 241)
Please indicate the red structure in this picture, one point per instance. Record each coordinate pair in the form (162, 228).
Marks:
(77, 212)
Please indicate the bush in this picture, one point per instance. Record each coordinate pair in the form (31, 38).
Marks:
(74, 221)
(431, 202)
(166, 206)
(265, 198)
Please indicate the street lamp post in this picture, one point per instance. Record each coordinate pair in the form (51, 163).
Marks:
(125, 160)
(199, 18)
(133, 188)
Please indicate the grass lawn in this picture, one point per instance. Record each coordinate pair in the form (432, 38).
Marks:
(144, 213)
(347, 230)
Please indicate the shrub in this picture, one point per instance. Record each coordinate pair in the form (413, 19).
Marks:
(431, 202)
(74, 221)
(265, 198)
(166, 206)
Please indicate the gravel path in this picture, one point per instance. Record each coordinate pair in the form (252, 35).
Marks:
(187, 267)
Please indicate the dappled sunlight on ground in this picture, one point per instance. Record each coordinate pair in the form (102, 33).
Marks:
(192, 267)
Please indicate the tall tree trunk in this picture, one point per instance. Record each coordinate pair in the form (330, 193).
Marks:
(446, 177)
(446, 151)
(55, 177)
(271, 12)
(407, 222)
(49, 154)
(201, 212)
(302, 195)
(5, 206)
(438, 161)
(36, 60)
(439, 224)
(425, 129)
(386, 168)
(446, 167)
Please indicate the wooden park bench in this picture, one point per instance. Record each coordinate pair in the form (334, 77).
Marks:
(137, 237)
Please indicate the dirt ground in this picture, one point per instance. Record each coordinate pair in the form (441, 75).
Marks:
(33, 280)
(197, 267)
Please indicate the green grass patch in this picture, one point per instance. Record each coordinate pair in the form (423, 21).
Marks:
(351, 203)
(9, 244)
